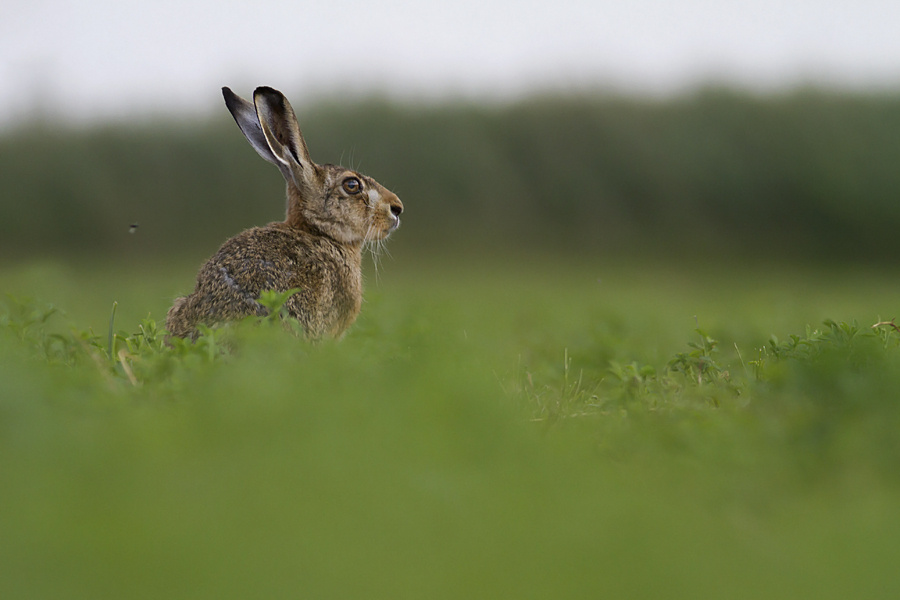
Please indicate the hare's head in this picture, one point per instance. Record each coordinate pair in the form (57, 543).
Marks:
(338, 202)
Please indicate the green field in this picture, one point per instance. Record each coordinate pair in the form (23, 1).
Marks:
(490, 428)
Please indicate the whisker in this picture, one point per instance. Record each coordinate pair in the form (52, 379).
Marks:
(372, 245)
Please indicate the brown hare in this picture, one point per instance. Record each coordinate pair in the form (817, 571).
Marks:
(332, 212)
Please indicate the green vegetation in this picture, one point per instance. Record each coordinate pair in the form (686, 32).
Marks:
(537, 430)
(554, 391)
(808, 173)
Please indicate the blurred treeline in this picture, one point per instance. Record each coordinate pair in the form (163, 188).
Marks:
(807, 173)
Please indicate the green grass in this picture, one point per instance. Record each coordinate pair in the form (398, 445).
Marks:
(539, 430)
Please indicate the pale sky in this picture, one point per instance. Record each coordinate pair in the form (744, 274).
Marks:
(113, 59)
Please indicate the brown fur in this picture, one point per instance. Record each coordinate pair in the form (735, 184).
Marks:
(318, 248)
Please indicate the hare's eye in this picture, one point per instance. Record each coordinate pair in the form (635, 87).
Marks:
(352, 185)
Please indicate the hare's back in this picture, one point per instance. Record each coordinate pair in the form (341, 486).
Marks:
(262, 258)
(280, 258)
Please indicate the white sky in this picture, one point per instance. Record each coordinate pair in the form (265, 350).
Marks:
(110, 59)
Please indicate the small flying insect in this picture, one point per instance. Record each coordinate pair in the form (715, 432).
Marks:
(133, 228)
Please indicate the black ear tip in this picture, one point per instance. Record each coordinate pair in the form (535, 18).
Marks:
(269, 94)
(231, 99)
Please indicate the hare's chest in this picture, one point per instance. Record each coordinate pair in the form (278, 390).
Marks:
(346, 300)
(330, 294)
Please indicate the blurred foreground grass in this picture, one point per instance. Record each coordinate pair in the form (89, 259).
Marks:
(484, 431)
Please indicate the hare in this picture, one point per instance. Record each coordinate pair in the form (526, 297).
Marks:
(332, 212)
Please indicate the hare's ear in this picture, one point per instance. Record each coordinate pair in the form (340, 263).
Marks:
(244, 114)
(282, 133)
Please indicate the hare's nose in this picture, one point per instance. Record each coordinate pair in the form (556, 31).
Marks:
(396, 208)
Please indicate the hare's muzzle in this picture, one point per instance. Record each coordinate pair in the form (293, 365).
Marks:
(396, 209)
